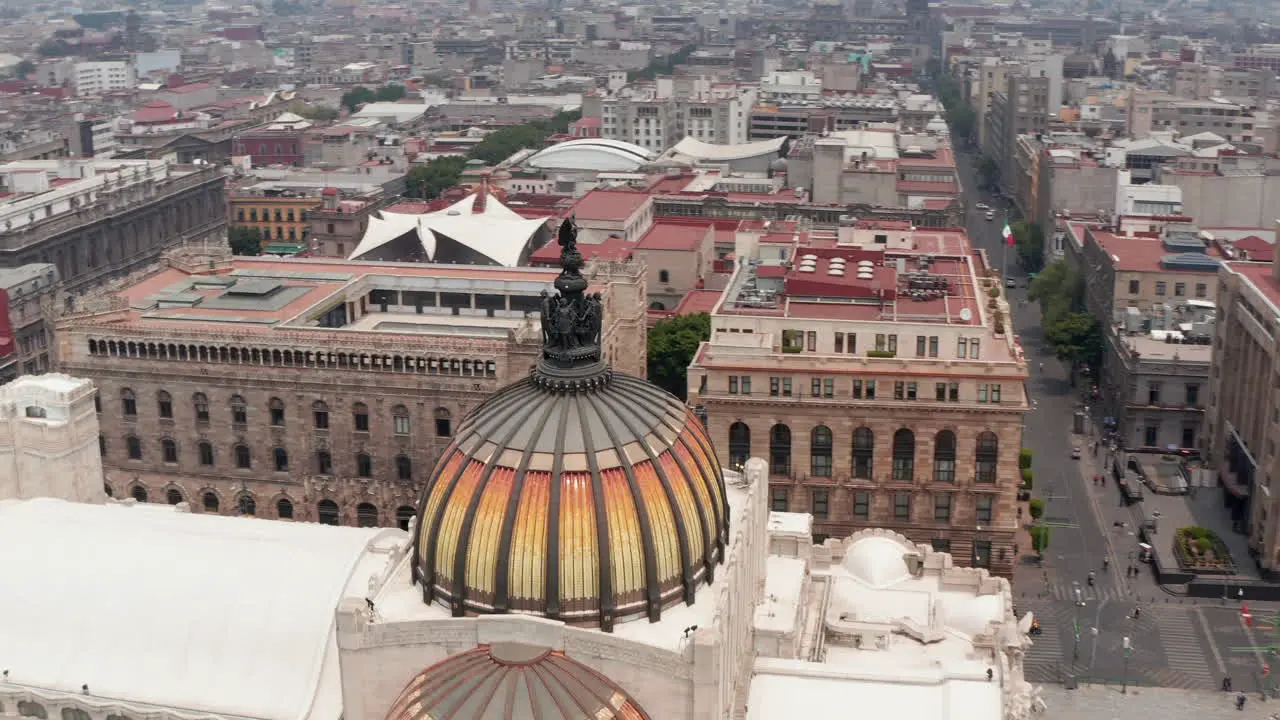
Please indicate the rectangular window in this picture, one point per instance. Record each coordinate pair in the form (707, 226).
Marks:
(1193, 394)
(983, 508)
(962, 348)
(982, 553)
(277, 416)
(1151, 435)
(1134, 287)
(899, 390)
(1202, 290)
(942, 507)
(982, 392)
(857, 389)
(828, 388)
(779, 500)
(881, 341)
(239, 415)
(940, 392)
(321, 419)
(921, 344)
(973, 349)
(820, 504)
(933, 346)
(815, 387)
(953, 392)
(745, 383)
(911, 391)
(775, 384)
(786, 387)
(893, 343)
(851, 343)
(902, 506)
(1153, 393)
(401, 424)
(839, 342)
(362, 421)
(862, 505)
(1162, 288)
(1180, 289)
(811, 341)
(870, 390)
(733, 384)
(940, 545)
(995, 393)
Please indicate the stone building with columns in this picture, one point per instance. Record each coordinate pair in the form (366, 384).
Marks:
(100, 219)
(875, 371)
(317, 390)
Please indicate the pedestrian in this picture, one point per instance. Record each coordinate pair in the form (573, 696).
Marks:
(1226, 684)
(1137, 613)
(1106, 563)
(1240, 701)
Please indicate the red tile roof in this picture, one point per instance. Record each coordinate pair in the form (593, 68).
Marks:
(609, 205)
(673, 236)
(614, 248)
(1138, 254)
(698, 301)
(155, 111)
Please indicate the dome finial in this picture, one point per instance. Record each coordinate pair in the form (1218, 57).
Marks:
(571, 320)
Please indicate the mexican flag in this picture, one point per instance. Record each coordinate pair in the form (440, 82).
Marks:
(1007, 234)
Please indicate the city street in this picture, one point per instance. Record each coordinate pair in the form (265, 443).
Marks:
(1175, 641)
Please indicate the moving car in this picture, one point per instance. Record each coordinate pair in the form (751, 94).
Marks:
(1075, 453)
(1011, 283)
(983, 206)
(991, 214)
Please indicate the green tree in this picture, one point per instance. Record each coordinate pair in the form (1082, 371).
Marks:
(664, 65)
(672, 344)
(430, 180)
(505, 142)
(317, 113)
(988, 170)
(1040, 539)
(1077, 339)
(244, 240)
(557, 123)
(1029, 242)
(357, 96)
(1037, 509)
(54, 47)
(23, 69)
(1075, 335)
(390, 93)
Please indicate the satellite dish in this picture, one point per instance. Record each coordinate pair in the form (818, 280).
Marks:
(966, 314)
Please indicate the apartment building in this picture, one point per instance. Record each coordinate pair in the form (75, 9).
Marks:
(716, 115)
(879, 380)
(1150, 112)
(1072, 180)
(1243, 417)
(1146, 275)
(102, 77)
(875, 167)
(31, 291)
(1020, 109)
(653, 124)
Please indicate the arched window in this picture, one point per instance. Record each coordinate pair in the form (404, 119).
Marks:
(444, 422)
(739, 444)
(128, 403)
(173, 496)
(657, 305)
(164, 405)
(986, 454)
(284, 509)
(400, 419)
(364, 465)
(820, 452)
(281, 458)
(276, 406)
(320, 415)
(327, 511)
(404, 515)
(366, 515)
(904, 455)
(74, 714)
(246, 505)
(134, 447)
(210, 502)
(26, 708)
(201, 405)
(206, 453)
(324, 462)
(139, 493)
(169, 450)
(864, 453)
(944, 457)
(239, 411)
(780, 450)
(35, 411)
(404, 467)
(119, 717)
(360, 417)
(243, 461)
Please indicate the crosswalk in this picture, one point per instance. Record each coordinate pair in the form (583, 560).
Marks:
(1065, 592)
(1186, 664)
(1044, 659)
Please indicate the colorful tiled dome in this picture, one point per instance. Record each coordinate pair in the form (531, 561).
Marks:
(578, 493)
(512, 681)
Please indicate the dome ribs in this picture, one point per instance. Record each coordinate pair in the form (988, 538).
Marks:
(625, 396)
(502, 580)
(653, 594)
(608, 602)
(468, 521)
(552, 594)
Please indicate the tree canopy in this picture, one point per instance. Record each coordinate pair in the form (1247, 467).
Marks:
(672, 344)
(989, 170)
(505, 142)
(430, 180)
(359, 95)
(54, 47)
(1075, 335)
(244, 240)
(318, 113)
(23, 69)
(1029, 241)
(664, 65)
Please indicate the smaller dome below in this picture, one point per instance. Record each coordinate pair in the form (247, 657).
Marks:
(877, 561)
(509, 681)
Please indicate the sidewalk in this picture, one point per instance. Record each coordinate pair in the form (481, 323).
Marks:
(1106, 702)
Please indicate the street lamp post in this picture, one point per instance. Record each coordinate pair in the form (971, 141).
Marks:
(1075, 628)
(1124, 680)
(1094, 631)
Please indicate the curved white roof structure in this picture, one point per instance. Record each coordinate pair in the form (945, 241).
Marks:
(707, 152)
(478, 222)
(597, 154)
(877, 561)
(199, 614)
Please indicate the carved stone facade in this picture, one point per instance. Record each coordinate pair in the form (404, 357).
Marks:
(48, 440)
(120, 227)
(301, 422)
